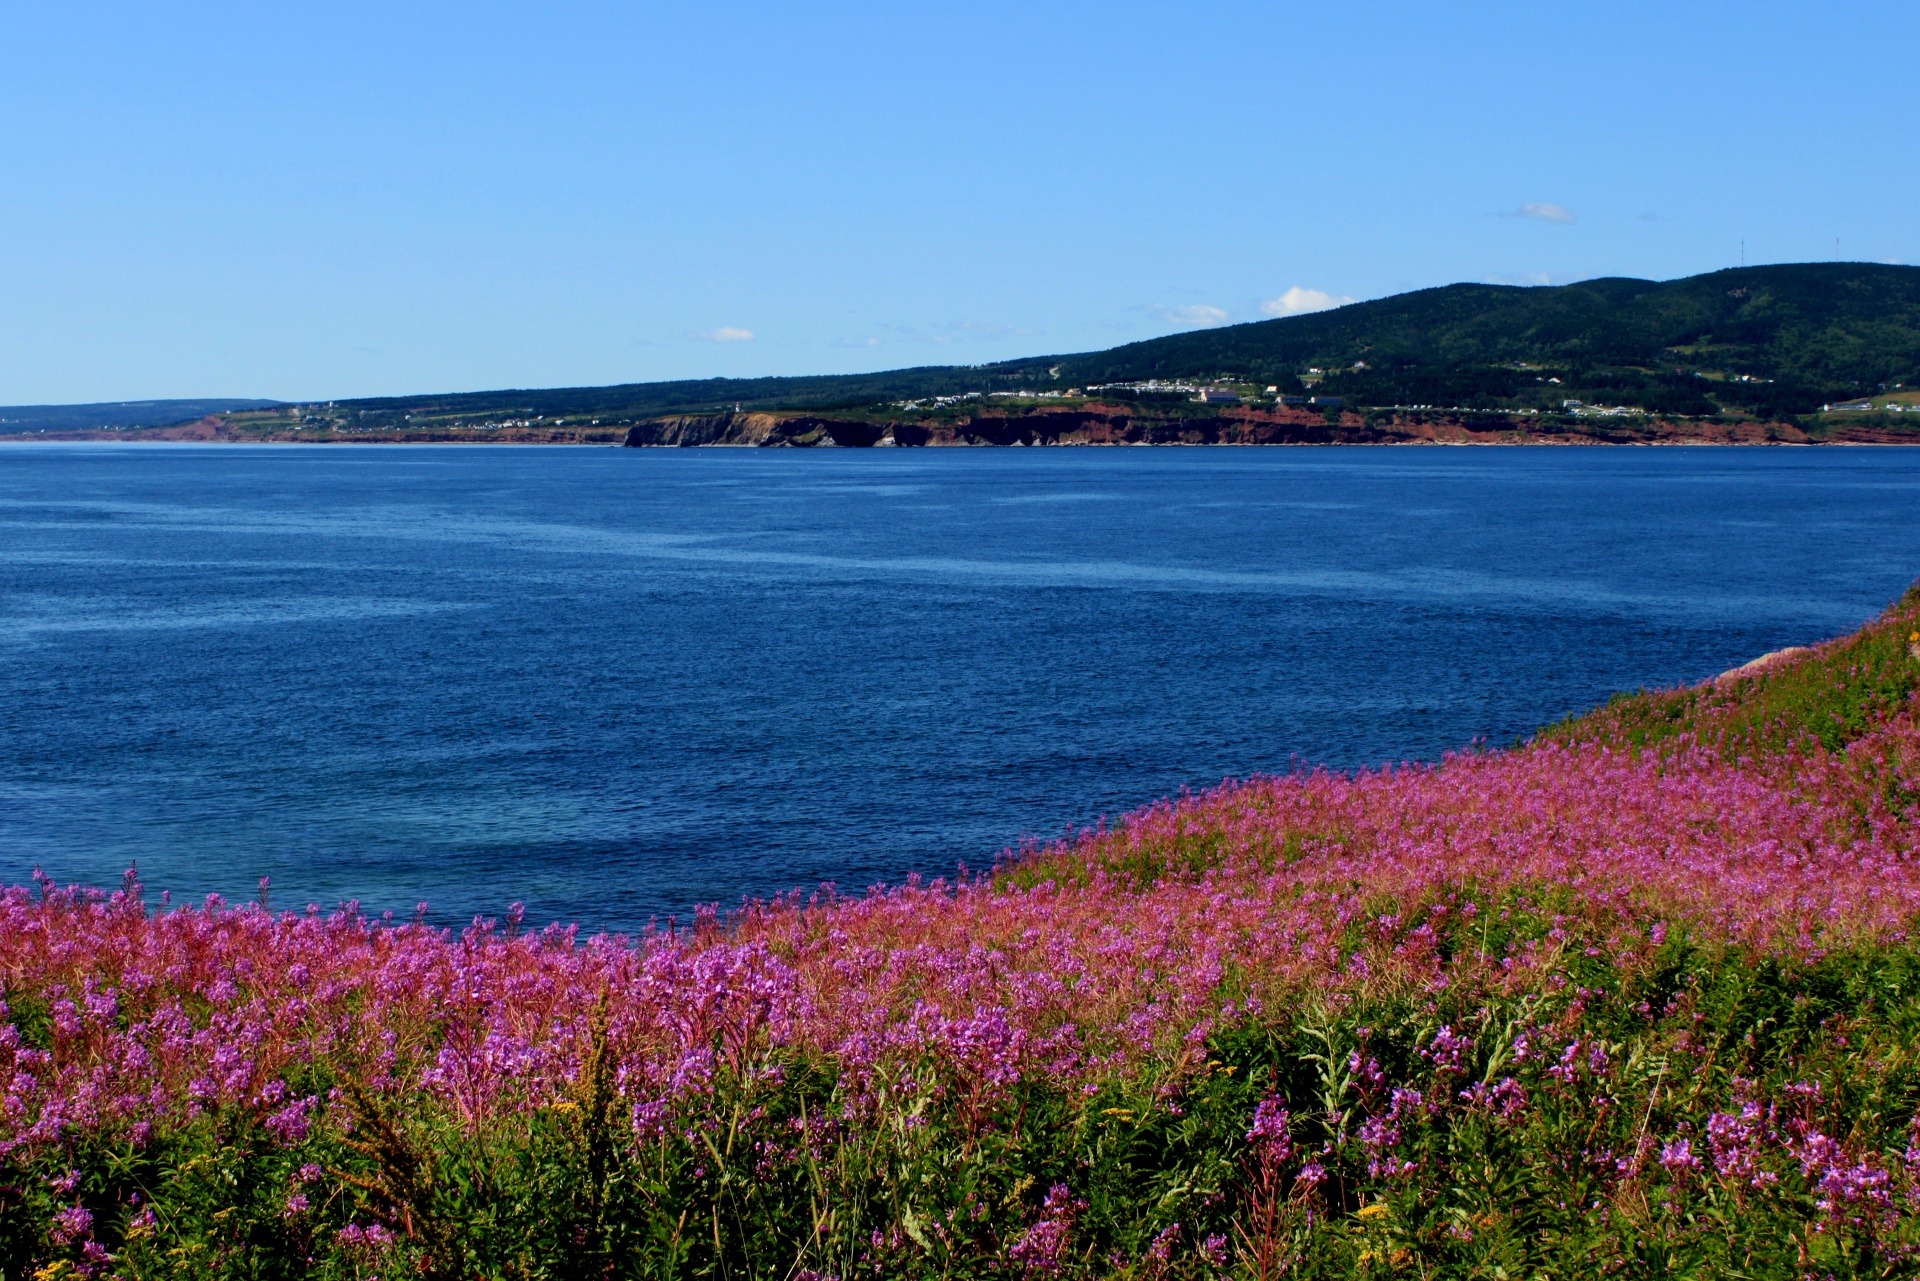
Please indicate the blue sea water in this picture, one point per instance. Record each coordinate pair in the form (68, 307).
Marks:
(617, 683)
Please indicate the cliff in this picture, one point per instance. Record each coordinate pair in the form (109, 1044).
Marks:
(1104, 424)
(1074, 423)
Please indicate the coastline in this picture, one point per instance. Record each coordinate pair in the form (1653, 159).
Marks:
(1089, 424)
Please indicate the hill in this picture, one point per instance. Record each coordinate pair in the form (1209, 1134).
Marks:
(116, 415)
(1773, 346)
(1771, 342)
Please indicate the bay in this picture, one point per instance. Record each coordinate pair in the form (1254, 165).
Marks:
(614, 684)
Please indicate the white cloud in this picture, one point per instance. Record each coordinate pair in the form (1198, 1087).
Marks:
(1543, 213)
(1297, 301)
(1196, 316)
(726, 333)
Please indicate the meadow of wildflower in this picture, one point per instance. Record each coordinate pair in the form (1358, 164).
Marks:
(1637, 997)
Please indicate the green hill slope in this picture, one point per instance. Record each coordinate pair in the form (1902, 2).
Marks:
(22, 419)
(1770, 341)
(1842, 323)
(1800, 334)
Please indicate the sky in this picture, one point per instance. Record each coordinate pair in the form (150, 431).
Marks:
(308, 201)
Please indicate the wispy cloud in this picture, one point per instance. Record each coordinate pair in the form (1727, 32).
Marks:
(1194, 316)
(1543, 213)
(1298, 301)
(959, 331)
(856, 342)
(989, 329)
(726, 333)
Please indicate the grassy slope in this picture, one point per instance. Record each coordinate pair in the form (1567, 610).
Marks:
(1830, 696)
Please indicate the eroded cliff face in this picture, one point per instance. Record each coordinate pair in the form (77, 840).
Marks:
(1129, 425)
(1088, 424)
(804, 430)
(1092, 425)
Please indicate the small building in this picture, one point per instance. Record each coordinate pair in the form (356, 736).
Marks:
(1293, 400)
(1327, 402)
(1219, 395)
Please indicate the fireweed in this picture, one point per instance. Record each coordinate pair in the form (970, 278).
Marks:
(1638, 997)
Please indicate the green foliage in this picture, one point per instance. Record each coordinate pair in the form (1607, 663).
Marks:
(1822, 324)
(789, 1169)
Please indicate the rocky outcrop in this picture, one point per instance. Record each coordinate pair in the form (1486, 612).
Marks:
(1101, 424)
(1761, 664)
(1089, 425)
(805, 430)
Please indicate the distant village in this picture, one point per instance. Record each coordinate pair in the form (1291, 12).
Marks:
(1200, 393)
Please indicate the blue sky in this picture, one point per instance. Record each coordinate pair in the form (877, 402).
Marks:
(310, 200)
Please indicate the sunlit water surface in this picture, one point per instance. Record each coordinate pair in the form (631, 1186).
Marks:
(616, 683)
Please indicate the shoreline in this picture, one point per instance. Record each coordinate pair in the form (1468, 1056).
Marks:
(1086, 424)
(64, 439)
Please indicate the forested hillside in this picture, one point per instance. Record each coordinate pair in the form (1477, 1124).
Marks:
(1801, 335)
(116, 415)
(1771, 341)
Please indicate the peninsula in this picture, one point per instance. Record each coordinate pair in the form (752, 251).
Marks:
(1792, 354)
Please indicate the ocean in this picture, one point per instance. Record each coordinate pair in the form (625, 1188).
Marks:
(616, 684)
